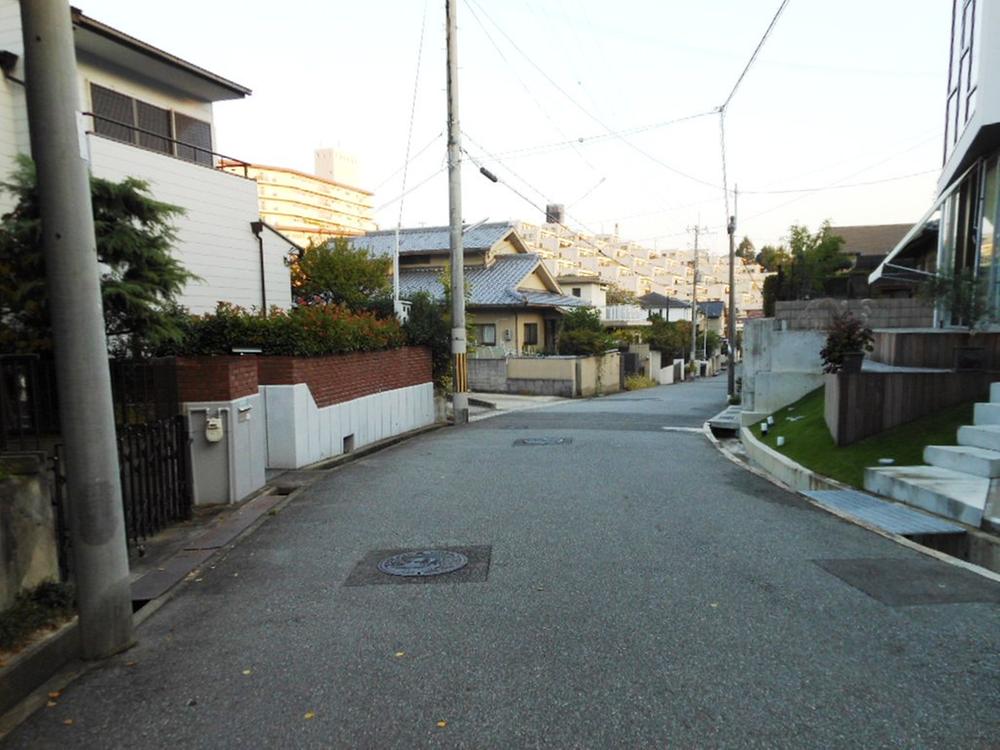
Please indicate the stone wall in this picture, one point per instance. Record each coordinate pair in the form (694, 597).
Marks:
(488, 375)
(28, 552)
(817, 314)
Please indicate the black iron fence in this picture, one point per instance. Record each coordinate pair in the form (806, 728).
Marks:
(152, 438)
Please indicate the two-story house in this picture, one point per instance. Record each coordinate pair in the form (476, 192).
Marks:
(148, 114)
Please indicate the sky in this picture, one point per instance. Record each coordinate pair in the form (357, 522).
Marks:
(608, 108)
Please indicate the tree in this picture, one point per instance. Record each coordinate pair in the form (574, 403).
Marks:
(582, 332)
(140, 281)
(745, 251)
(618, 296)
(429, 324)
(336, 272)
(771, 258)
(816, 259)
(673, 340)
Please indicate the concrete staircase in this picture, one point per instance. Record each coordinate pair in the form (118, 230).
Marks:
(962, 481)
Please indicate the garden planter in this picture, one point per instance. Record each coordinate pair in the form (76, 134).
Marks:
(851, 361)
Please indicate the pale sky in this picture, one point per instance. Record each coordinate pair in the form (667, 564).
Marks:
(843, 92)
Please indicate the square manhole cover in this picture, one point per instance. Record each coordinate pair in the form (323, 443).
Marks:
(901, 582)
(535, 441)
(367, 572)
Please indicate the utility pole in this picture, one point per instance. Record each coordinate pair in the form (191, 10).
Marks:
(460, 372)
(697, 229)
(731, 318)
(96, 517)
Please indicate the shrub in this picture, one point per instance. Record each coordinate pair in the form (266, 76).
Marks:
(637, 382)
(583, 333)
(305, 331)
(429, 325)
(46, 605)
(846, 334)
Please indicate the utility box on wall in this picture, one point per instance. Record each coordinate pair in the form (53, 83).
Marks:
(228, 449)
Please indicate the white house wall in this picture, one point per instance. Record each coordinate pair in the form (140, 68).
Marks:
(300, 433)
(13, 109)
(214, 238)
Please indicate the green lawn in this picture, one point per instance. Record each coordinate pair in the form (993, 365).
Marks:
(808, 441)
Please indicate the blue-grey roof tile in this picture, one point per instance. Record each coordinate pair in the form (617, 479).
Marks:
(432, 239)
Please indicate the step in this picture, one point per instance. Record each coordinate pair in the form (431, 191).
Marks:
(944, 492)
(883, 514)
(982, 436)
(986, 414)
(995, 393)
(964, 458)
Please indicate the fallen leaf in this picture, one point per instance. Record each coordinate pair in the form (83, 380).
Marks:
(400, 653)
(714, 604)
(442, 724)
(51, 704)
(67, 722)
(247, 671)
(55, 694)
(198, 580)
(309, 715)
(131, 663)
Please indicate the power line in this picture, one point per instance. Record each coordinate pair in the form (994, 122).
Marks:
(841, 187)
(583, 109)
(412, 159)
(753, 57)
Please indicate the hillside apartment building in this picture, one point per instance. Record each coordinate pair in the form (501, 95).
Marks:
(148, 114)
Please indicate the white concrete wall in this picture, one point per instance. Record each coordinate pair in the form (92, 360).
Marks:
(13, 109)
(779, 365)
(300, 433)
(214, 239)
(231, 469)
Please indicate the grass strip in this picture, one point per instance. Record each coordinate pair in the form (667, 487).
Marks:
(808, 441)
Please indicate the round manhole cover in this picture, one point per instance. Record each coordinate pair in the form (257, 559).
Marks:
(427, 562)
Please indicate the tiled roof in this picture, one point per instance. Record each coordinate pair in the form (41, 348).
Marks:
(492, 285)
(432, 239)
(873, 239)
(657, 300)
(712, 308)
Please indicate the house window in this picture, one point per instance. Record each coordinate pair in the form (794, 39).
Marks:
(197, 133)
(486, 334)
(130, 120)
(531, 334)
(576, 291)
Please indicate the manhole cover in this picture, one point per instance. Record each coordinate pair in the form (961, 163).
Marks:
(427, 562)
(543, 441)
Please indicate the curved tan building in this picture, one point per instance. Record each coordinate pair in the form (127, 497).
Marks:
(306, 208)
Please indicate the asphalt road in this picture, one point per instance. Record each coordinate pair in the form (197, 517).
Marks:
(642, 591)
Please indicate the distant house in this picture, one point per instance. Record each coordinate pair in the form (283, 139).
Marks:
(713, 313)
(867, 245)
(514, 301)
(592, 289)
(670, 309)
(148, 114)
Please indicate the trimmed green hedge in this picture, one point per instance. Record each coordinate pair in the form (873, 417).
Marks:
(305, 331)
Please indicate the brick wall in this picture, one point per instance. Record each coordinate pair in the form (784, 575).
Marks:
(331, 380)
(342, 377)
(215, 378)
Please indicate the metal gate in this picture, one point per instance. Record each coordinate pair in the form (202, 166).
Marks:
(152, 438)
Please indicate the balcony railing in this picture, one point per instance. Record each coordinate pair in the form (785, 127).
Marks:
(626, 313)
(202, 156)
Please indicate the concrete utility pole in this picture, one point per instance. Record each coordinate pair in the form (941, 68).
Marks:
(460, 372)
(731, 318)
(96, 517)
(694, 295)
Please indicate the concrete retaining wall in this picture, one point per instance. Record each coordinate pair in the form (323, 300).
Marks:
(488, 375)
(780, 365)
(781, 468)
(565, 376)
(817, 314)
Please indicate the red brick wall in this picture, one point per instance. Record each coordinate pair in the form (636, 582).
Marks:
(342, 377)
(215, 378)
(332, 379)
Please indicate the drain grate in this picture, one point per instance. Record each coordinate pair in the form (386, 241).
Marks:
(425, 562)
(422, 565)
(535, 441)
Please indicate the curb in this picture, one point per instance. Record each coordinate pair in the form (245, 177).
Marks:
(833, 484)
